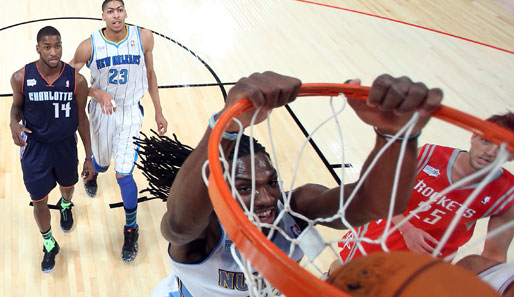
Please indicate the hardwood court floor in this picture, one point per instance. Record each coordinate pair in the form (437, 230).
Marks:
(317, 43)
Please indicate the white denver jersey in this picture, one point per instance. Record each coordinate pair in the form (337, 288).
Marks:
(219, 275)
(119, 68)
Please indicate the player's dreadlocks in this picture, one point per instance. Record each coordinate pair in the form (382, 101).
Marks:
(162, 157)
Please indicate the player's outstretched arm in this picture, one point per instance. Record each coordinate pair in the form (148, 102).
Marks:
(81, 97)
(153, 89)
(17, 108)
(390, 104)
(189, 214)
(82, 55)
(496, 247)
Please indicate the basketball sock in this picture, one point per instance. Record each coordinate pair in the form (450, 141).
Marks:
(48, 240)
(130, 217)
(65, 203)
(99, 168)
(128, 189)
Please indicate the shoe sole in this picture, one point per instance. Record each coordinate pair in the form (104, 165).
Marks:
(48, 271)
(90, 195)
(66, 231)
(127, 261)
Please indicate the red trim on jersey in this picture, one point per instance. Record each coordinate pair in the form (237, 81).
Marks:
(23, 79)
(59, 76)
(75, 82)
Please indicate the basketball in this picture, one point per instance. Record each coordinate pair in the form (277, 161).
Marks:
(402, 274)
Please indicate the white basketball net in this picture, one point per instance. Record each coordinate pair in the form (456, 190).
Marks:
(310, 240)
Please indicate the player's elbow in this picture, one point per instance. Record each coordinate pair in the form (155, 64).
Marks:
(177, 231)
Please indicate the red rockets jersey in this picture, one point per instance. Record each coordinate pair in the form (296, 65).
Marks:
(435, 164)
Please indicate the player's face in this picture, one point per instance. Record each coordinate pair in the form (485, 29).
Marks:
(49, 49)
(114, 15)
(482, 152)
(267, 191)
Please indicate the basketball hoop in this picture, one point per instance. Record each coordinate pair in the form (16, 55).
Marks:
(273, 264)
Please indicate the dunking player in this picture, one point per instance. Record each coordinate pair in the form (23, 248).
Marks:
(198, 243)
(121, 63)
(50, 97)
(438, 168)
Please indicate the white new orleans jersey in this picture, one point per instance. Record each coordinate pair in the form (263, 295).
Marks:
(119, 68)
(219, 275)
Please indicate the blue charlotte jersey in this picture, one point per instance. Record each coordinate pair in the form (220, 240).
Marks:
(49, 108)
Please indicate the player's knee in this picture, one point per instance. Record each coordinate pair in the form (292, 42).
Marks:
(40, 204)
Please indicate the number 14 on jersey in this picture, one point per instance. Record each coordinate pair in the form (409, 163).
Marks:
(65, 107)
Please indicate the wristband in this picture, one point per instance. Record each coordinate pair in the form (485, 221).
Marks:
(402, 231)
(89, 159)
(229, 136)
(400, 138)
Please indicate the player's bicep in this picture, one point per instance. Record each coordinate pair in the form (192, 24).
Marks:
(16, 85)
(148, 42)
(82, 55)
(81, 91)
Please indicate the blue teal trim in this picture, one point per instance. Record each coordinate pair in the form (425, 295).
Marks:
(92, 52)
(117, 45)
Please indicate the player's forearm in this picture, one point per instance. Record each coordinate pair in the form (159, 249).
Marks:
(85, 136)
(153, 90)
(92, 92)
(374, 195)
(189, 206)
(16, 114)
(397, 220)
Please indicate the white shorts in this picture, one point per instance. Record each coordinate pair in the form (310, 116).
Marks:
(499, 276)
(113, 136)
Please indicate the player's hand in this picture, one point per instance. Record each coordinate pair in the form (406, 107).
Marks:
(16, 130)
(162, 124)
(419, 241)
(87, 170)
(392, 101)
(266, 90)
(107, 103)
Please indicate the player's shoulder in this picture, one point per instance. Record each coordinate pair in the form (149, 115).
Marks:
(430, 148)
(18, 75)
(146, 34)
(85, 44)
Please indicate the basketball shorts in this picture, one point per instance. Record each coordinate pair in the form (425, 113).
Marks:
(112, 136)
(499, 276)
(45, 165)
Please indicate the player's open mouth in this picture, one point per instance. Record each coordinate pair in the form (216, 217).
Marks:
(116, 24)
(266, 216)
(483, 161)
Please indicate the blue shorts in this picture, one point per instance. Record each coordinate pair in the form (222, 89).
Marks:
(46, 164)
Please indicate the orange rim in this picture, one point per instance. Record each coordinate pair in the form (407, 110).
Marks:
(275, 266)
